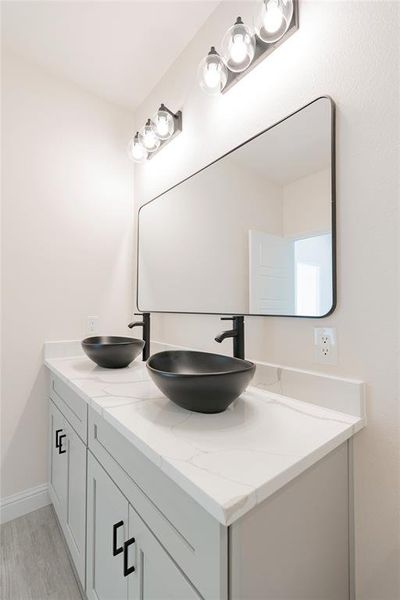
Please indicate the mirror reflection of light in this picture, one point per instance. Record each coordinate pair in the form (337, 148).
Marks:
(307, 289)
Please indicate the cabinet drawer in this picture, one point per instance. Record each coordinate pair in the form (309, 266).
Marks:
(71, 405)
(196, 541)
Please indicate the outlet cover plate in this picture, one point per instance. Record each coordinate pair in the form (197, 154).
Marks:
(325, 346)
(92, 325)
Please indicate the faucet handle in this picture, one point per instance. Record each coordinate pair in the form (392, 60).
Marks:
(233, 318)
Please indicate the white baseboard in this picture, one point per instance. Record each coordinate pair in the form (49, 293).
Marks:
(23, 503)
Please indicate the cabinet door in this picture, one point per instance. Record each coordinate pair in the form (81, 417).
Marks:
(156, 577)
(75, 518)
(107, 530)
(58, 480)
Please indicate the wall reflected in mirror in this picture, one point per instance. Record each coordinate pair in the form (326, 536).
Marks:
(252, 232)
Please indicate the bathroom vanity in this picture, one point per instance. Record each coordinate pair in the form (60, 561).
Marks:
(156, 502)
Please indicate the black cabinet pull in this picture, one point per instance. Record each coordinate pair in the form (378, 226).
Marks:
(128, 570)
(116, 550)
(58, 431)
(60, 439)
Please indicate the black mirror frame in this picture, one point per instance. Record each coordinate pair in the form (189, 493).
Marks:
(333, 220)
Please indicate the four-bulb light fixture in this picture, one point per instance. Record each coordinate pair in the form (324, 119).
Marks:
(242, 48)
(156, 133)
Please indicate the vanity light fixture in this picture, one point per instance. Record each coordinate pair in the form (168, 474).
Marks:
(156, 133)
(242, 48)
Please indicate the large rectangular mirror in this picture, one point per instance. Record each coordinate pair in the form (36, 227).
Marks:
(253, 233)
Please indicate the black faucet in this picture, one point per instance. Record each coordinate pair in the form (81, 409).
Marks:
(146, 332)
(237, 333)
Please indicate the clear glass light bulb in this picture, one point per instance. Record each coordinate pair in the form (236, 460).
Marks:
(162, 126)
(163, 123)
(150, 141)
(272, 17)
(212, 76)
(136, 150)
(238, 47)
(212, 73)
(273, 20)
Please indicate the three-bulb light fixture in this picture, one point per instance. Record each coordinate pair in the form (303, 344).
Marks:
(242, 47)
(156, 133)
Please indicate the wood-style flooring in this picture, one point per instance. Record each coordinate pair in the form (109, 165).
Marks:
(34, 564)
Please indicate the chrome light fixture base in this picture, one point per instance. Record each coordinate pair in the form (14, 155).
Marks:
(263, 49)
(177, 130)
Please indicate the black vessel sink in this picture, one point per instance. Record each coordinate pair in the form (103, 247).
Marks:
(200, 381)
(112, 352)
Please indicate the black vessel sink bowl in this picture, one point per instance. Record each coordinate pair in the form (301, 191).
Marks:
(200, 381)
(111, 351)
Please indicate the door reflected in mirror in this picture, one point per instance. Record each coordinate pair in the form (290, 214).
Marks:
(252, 233)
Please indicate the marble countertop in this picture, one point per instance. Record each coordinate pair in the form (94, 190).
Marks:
(228, 462)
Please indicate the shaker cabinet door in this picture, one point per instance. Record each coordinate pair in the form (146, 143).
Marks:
(107, 530)
(75, 518)
(58, 463)
(67, 485)
(157, 577)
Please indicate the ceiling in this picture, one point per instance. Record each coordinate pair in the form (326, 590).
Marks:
(118, 50)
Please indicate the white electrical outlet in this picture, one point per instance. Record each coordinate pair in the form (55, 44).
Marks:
(325, 345)
(92, 324)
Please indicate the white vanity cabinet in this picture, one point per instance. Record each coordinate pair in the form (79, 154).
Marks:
(58, 480)
(157, 574)
(67, 481)
(180, 551)
(135, 534)
(125, 560)
(107, 530)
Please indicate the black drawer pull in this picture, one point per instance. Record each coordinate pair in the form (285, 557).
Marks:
(60, 449)
(58, 431)
(128, 570)
(116, 550)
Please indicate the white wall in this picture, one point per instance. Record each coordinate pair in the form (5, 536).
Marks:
(348, 50)
(174, 230)
(67, 200)
(305, 206)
